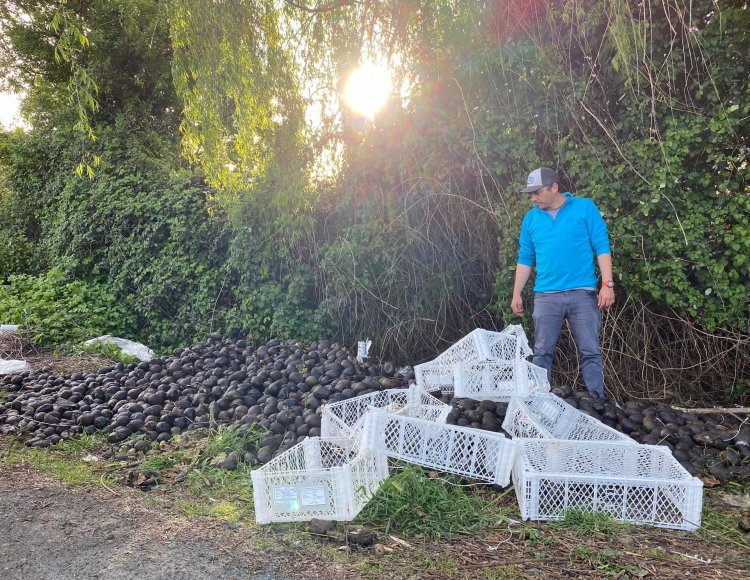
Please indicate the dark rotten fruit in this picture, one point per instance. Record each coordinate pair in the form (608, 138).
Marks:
(281, 386)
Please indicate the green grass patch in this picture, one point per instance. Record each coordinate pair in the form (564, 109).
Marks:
(221, 484)
(181, 456)
(717, 526)
(196, 452)
(82, 445)
(413, 503)
(209, 491)
(227, 439)
(224, 511)
(51, 461)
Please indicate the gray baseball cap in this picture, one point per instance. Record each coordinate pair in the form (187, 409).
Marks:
(539, 178)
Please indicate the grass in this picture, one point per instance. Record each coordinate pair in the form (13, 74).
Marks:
(206, 491)
(227, 439)
(590, 524)
(413, 502)
(195, 453)
(606, 562)
(60, 462)
(722, 527)
(83, 444)
(225, 495)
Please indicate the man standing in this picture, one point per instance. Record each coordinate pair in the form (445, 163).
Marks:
(560, 236)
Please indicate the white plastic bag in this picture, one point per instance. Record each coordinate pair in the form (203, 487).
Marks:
(13, 367)
(136, 349)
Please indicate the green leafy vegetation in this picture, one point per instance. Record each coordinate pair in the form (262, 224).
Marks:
(232, 192)
(62, 311)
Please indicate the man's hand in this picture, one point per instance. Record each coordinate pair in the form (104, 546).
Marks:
(606, 297)
(517, 305)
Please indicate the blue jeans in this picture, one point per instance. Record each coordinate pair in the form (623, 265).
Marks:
(580, 308)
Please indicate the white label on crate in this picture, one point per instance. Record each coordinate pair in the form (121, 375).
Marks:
(313, 495)
(285, 495)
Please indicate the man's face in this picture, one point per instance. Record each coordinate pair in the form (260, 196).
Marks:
(545, 197)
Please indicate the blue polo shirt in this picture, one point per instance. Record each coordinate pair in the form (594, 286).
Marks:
(563, 249)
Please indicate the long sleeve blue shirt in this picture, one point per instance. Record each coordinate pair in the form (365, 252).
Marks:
(563, 249)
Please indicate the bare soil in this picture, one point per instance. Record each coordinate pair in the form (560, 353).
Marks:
(50, 530)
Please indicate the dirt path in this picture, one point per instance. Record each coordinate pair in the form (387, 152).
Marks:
(50, 530)
(53, 530)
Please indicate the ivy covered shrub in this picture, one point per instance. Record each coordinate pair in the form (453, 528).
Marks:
(15, 255)
(60, 311)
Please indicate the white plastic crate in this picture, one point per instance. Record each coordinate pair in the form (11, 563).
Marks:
(436, 376)
(641, 484)
(473, 453)
(329, 479)
(497, 380)
(345, 418)
(482, 344)
(546, 416)
(512, 343)
(484, 365)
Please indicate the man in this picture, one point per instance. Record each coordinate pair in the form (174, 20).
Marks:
(560, 236)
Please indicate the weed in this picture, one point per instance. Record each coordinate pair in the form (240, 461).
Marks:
(532, 536)
(441, 564)
(83, 444)
(715, 523)
(228, 439)
(606, 562)
(587, 523)
(412, 502)
(168, 459)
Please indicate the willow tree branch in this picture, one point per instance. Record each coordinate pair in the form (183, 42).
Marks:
(328, 8)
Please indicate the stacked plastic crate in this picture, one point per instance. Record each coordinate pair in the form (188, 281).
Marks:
(485, 365)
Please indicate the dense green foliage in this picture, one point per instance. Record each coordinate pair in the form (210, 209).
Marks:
(60, 311)
(409, 235)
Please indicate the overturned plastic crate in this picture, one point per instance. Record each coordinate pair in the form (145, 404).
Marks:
(546, 416)
(482, 344)
(345, 418)
(499, 380)
(329, 479)
(640, 484)
(472, 453)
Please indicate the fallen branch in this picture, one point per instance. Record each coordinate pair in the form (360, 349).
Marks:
(715, 410)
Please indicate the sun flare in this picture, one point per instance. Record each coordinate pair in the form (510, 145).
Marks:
(367, 89)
